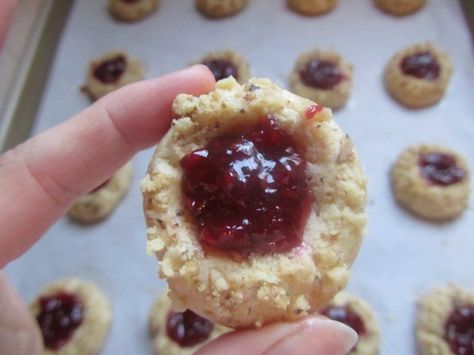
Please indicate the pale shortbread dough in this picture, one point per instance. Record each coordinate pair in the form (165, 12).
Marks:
(220, 8)
(434, 310)
(412, 91)
(95, 88)
(430, 201)
(97, 205)
(312, 7)
(400, 7)
(368, 343)
(162, 344)
(90, 336)
(260, 289)
(233, 57)
(132, 11)
(335, 97)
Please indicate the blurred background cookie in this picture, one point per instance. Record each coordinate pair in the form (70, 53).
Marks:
(132, 10)
(418, 76)
(400, 7)
(322, 76)
(312, 7)
(431, 181)
(220, 8)
(110, 72)
(73, 317)
(226, 63)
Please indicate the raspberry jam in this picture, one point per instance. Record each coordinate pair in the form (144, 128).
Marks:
(249, 192)
(459, 330)
(440, 169)
(421, 65)
(222, 68)
(110, 70)
(321, 74)
(60, 315)
(188, 328)
(312, 111)
(346, 315)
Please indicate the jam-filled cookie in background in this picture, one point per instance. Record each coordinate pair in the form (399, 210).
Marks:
(322, 76)
(445, 322)
(431, 181)
(418, 76)
(179, 333)
(400, 7)
(132, 10)
(358, 315)
(312, 7)
(226, 63)
(220, 8)
(100, 202)
(254, 202)
(73, 316)
(110, 72)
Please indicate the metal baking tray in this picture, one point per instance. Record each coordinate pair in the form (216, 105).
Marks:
(401, 256)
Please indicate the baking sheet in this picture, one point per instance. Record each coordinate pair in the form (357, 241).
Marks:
(401, 256)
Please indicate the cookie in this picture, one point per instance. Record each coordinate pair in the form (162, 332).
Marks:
(400, 7)
(431, 181)
(226, 63)
(418, 76)
(132, 10)
(254, 202)
(179, 333)
(445, 322)
(220, 8)
(358, 315)
(110, 72)
(312, 7)
(322, 76)
(101, 202)
(73, 316)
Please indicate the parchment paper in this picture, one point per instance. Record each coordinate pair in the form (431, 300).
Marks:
(401, 257)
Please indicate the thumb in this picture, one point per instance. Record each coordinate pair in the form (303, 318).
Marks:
(313, 335)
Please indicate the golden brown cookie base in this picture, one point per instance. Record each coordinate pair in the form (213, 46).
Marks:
(412, 91)
(238, 292)
(95, 88)
(333, 98)
(433, 311)
(131, 12)
(162, 344)
(220, 8)
(312, 7)
(233, 57)
(429, 201)
(96, 206)
(90, 336)
(400, 7)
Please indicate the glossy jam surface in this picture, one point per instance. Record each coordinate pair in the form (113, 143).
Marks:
(321, 74)
(312, 111)
(459, 330)
(222, 68)
(440, 169)
(188, 328)
(346, 315)
(421, 65)
(59, 316)
(110, 70)
(248, 192)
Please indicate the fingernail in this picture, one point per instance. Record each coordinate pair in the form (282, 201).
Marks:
(317, 336)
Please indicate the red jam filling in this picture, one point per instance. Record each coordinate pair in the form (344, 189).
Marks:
(345, 314)
(249, 192)
(60, 315)
(188, 328)
(459, 330)
(440, 169)
(110, 70)
(321, 74)
(312, 111)
(421, 65)
(222, 68)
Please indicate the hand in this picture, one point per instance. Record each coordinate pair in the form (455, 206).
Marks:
(6, 10)
(47, 173)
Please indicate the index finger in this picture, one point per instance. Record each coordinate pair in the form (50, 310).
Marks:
(43, 176)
